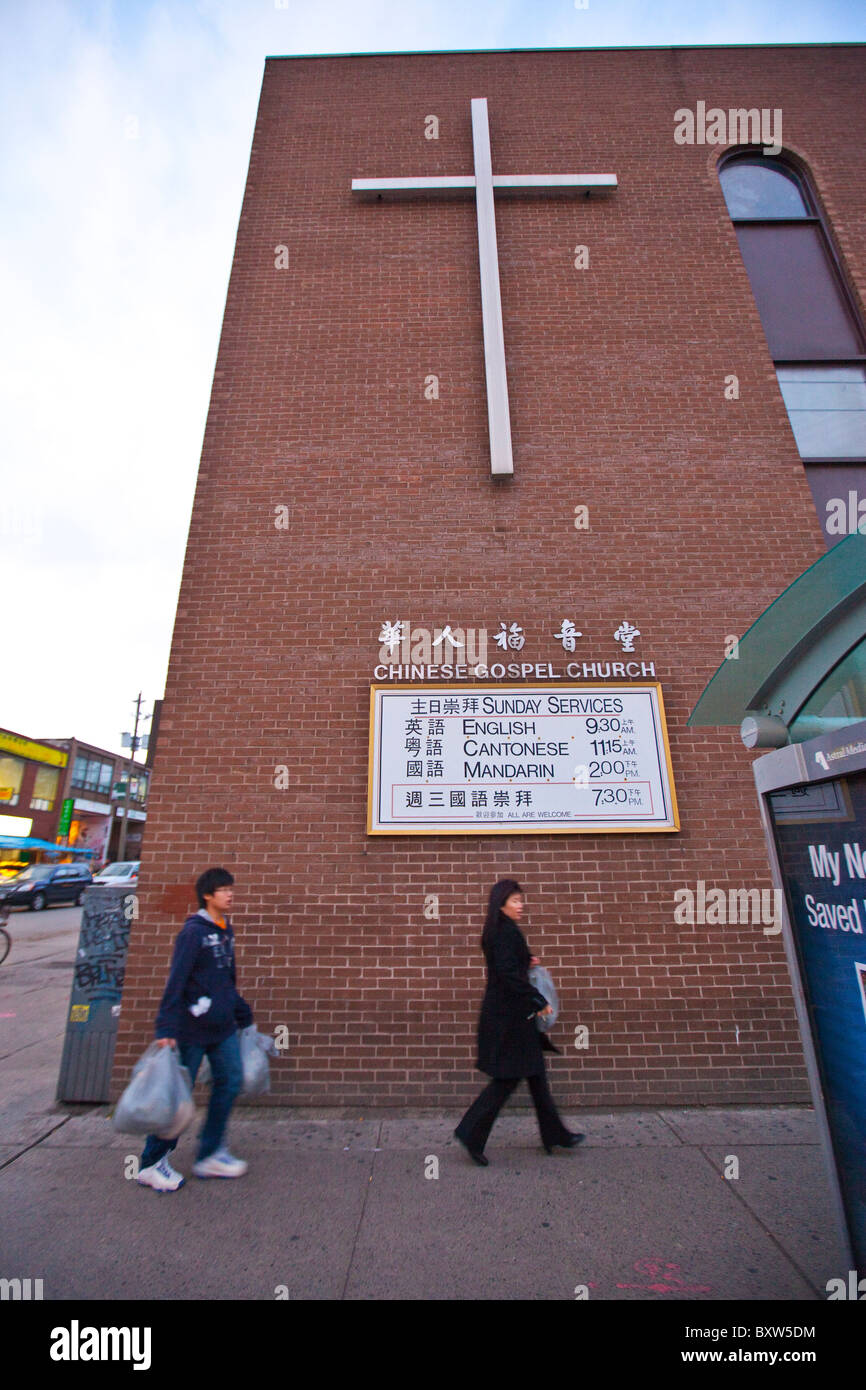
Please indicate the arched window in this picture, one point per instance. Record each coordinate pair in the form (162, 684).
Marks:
(812, 327)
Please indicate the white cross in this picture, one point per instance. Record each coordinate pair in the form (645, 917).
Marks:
(484, 182)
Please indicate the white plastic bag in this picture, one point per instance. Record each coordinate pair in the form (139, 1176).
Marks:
(254, 1049)
(158, 1099)
(540, 979)
(185, 1112)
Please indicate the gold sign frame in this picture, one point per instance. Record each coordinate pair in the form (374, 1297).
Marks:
(537, 828)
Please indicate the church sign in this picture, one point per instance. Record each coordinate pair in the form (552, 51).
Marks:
(519, 760)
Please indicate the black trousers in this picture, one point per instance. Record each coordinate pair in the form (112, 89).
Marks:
(477, 1123)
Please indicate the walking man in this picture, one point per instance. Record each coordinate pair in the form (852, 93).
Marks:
(200, 1014)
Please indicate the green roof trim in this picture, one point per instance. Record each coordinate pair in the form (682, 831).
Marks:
(570, 48)
(791, 647)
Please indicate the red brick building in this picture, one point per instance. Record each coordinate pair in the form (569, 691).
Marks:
(345, 483)
(72, 793)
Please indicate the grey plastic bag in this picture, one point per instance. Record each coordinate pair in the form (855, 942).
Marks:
(265, 1044)
(254, 1047)
(540, 979)
(158, 1099)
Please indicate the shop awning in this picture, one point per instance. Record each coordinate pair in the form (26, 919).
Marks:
(28, 842)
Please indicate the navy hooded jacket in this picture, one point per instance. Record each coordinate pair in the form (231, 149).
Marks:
(201, 1003)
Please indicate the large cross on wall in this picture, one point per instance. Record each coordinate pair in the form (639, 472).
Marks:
(485, 183)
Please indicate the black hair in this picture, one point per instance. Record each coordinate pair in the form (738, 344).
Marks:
(499, 894)
(210, 881)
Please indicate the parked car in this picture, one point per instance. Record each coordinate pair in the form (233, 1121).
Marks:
(39, 885)
(121, 875)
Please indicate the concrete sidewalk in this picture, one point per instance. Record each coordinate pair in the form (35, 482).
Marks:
(340, 1206)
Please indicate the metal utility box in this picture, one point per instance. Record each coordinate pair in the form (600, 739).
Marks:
(97, 986)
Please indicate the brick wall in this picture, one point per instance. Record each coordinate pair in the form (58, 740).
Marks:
(700, 514)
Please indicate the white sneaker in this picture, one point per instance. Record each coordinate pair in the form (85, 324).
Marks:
(161, 1177)
(220, 1164)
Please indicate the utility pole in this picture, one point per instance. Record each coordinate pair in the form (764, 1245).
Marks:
(121, 848)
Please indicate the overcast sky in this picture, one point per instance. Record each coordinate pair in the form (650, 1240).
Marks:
(126, 130)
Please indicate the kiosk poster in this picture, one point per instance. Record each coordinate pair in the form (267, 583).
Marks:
(823, 863)
(519, 760)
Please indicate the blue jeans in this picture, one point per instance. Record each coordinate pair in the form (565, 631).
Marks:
(227, 1071)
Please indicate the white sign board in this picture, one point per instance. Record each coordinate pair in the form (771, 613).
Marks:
(519, 760)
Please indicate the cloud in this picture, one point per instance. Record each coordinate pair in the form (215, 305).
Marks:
(124, 179)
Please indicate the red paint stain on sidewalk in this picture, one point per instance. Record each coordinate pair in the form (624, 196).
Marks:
(666, 1278)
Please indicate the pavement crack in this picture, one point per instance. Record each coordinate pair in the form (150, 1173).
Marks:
(368, 1185)
(735, 1192)
(37, 1042)
(11, 964)
(36, 1142)
(671, 1126)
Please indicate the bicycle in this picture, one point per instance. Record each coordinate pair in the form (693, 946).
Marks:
(5, 938)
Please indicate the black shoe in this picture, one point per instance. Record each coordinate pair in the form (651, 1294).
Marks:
(569, 1142)
(475, 1154)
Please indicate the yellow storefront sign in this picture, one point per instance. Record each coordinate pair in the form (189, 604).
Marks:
(26, 748)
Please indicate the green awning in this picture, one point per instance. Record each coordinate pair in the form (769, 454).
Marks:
(789, 650)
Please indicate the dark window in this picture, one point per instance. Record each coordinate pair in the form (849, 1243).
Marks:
(812, 327)
(92, 774)
(804, 310)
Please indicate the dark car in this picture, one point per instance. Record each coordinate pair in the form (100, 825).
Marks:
(41, 884)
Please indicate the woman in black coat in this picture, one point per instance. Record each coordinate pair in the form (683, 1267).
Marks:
(510, 1046)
